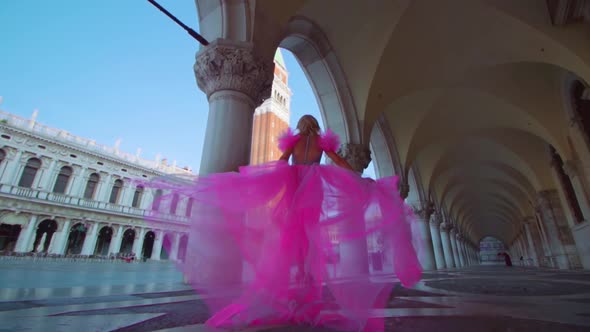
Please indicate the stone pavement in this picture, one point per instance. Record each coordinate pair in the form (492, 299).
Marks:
(57, 296)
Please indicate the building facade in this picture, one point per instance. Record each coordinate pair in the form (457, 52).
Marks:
(65, 195)
(271, 119)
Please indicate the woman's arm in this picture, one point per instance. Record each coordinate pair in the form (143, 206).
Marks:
(339, 160)
(286, 154)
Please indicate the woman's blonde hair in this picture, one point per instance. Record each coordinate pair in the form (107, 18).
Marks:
(308, 125)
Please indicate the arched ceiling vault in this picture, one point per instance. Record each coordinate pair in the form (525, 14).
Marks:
(470, 89)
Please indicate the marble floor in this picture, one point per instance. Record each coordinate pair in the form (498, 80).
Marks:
(76, 296)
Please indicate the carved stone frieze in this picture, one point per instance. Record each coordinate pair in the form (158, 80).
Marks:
(226, 66)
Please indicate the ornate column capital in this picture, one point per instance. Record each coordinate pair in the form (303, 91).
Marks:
(404, 188)
(446, 227)
(423, 210)
(225, 65)
(528, 220)
(435, 219)
(357, 155)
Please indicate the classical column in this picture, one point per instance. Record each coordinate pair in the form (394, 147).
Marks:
(174, 248)
(138, 242)
(115, 245)
(425, 251)
(157, 248)
(236, 81)
(26, 235)
(48, 176)
(354, 254)
(90, 240)
(454, 249)
(105, 187)
(531, 243)
(545, 204)
(10, 175)
(436, 241)
(462, 252)
(61, 236)
(446, 244)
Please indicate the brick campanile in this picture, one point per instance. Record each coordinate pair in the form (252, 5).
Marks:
(271, 119)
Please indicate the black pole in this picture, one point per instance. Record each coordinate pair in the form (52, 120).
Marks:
(190, 31)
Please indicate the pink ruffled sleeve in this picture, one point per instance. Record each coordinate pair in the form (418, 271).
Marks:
(287, 140)
(329, 141)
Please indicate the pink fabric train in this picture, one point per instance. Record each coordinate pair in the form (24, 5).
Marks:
(261, 248)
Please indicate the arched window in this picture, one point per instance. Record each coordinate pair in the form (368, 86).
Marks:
(29, 173)
(137, 196)
(2, 155)
(157, 198)
(116, 191)
(174, 204)
(91, 185)
(62, 180)
(189, 207)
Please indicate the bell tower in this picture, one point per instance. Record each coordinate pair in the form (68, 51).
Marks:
(271, 119)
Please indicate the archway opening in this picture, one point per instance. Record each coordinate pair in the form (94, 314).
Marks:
(148, 244)
(76, 239)
(104, 241)
(490, 249)
(9, 236)
(127, 242)
(166, 246)
(182, 246)
(44, 234)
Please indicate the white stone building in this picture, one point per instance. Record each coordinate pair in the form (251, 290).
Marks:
(62, 194)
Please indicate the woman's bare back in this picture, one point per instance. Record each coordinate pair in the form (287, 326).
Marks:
(314, 152)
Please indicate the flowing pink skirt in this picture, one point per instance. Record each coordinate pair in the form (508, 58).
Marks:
(262, 244)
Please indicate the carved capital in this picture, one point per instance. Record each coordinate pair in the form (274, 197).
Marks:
(404, 188)
(446, 227)
(357, 155)
(424, 211)
(230, 66)
(435, 219)
(544, 199)
(528, 220)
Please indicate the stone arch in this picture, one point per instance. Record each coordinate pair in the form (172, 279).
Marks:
(148, 244)
(384, 150)
(103, 242)
(76, 237)
(127, 241)
(320, 64)
(224, 19)
(11, 225)
(182, 247)
(44, 235)
(167, 240)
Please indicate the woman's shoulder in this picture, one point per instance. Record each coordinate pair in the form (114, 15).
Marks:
(288, 139)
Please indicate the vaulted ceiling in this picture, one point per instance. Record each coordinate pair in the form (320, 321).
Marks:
(472, 90)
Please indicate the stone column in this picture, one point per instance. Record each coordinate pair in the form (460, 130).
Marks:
(354, 255)
(105, 187)
(90, 240)
(24, 238)
(461, 249)
(174, 249)
(454, 249)
(77, 186)
(436, 242)
(115, 245)
(546, 205)
(530, 241)
(48, 176)
(446, 244)
(157, 248)
(61, 236)
(138, 242)
(422, 225)
(10, 175)
(236, 81)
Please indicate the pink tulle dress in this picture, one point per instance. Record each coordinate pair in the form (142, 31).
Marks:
(261, 250)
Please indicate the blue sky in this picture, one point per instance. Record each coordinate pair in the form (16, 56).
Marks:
(114, 69)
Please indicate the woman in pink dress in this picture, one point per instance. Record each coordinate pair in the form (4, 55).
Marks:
(261, 247)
